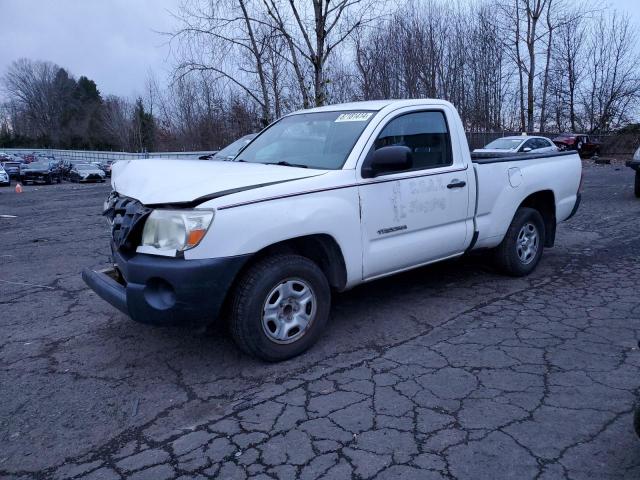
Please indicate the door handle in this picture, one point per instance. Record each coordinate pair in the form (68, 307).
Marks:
(456, 184)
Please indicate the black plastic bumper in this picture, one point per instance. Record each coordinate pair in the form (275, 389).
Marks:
(634, 164)
(575, 206)
(166, 291)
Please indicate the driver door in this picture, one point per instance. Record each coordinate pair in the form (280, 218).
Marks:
(420, 215)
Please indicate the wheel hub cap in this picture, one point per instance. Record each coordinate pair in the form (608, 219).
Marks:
(527, 243)
(288, 311)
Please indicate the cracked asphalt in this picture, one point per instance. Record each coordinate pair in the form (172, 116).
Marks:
(451, 371)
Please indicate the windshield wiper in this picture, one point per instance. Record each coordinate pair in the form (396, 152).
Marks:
(287, 164)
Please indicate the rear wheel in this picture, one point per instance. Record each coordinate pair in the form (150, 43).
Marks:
(280, 307)
(637, 184)
(522, 246)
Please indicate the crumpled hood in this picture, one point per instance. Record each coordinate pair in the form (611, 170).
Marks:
(157, 181)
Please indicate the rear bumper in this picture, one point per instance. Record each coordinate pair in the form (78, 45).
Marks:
(166, 291)
(575, 206)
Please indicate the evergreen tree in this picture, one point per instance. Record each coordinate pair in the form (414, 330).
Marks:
(144, 127)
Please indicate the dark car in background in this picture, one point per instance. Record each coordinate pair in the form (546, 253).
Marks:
(13, 169)
(86, 172)
(635, 165)
(230, 151)
(585, 145)
(41, 171)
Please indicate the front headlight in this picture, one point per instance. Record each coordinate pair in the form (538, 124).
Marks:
(167, 232)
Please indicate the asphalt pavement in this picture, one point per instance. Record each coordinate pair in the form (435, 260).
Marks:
(450, 371)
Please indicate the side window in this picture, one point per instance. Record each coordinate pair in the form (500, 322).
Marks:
(541, 143)
(529, 144)
(425, 133)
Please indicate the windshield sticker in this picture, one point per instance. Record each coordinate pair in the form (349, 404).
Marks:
(353, 117)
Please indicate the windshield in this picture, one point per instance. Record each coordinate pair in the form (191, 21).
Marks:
(316, 140)
(504, 144)
(232, 149)
(37, 165)
(85, 167)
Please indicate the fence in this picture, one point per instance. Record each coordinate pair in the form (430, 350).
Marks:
(102, 156)
(620, 144)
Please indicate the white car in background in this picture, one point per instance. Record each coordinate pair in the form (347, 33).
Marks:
(5, 181)
(519, 144)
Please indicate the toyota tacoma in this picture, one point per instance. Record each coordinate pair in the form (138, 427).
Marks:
(320, 201)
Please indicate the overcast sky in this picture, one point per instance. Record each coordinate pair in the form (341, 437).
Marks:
(114, 42)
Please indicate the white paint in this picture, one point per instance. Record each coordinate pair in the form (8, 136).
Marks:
(515, 177)
(421, 220)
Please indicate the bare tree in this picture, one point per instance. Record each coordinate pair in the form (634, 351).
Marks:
(613, 81)
(313, 32)
(224, 37)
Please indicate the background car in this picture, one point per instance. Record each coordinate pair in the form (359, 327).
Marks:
(86, 172)
(518, 144)
(5, 180)
(13, 169)
(230, 151)
(635, 165)
(43, 171)
(104, 166)
(585, 145)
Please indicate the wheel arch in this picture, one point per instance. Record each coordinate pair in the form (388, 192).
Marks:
(544, 202)
(321, 248)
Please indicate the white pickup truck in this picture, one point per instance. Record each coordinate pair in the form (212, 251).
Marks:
(319, 202)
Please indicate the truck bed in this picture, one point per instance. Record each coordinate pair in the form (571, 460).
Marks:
(510, 157)
(519, 157)
(503, 181)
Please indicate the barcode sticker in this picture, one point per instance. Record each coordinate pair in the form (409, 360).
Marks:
(354, 117)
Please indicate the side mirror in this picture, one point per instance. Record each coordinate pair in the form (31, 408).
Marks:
(394, 158)
(526, 149)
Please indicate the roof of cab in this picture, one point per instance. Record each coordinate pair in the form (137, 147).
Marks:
(373, 105)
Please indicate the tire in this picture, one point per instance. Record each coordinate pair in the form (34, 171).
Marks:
(49, 180)
(264, 286)
(514, 258)
(636, 187)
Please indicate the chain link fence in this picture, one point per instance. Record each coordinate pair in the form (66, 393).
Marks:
(78, 156)
(616, 144)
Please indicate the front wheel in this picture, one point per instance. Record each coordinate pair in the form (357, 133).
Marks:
(521, 249)
(280, 307)
(637, 184)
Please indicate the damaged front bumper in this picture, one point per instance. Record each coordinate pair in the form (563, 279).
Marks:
(166, 291)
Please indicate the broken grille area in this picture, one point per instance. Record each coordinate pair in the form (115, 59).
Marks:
(126, 216)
